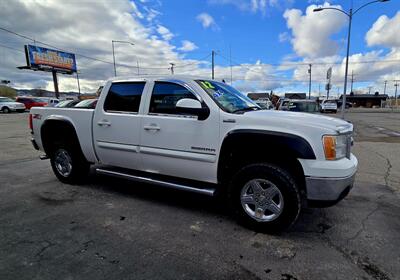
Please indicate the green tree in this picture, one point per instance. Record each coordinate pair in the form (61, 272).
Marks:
(7, 92)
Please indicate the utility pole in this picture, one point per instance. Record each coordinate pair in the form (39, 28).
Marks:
(137, 63)
(309, 85)
(172, 68)
(384, 88)
(319, 90)
(352, 81)
(395, 93)
(212, 64)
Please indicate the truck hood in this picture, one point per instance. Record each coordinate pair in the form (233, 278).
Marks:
(301, 119)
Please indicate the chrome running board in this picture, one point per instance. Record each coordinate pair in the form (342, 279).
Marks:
(209, 192)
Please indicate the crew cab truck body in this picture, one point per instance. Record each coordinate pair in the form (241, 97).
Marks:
(203, 136)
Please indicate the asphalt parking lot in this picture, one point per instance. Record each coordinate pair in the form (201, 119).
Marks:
(114, 229)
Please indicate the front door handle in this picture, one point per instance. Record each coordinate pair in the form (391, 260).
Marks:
(151, 127)
(104, 123)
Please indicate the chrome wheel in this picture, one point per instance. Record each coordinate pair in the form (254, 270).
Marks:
(261, 200)
(63, 162)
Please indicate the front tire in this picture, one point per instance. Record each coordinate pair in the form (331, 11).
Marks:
(265, 198)
(68, 164)
(6, 110)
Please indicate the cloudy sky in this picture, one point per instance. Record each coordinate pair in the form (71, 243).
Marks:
(269, 43)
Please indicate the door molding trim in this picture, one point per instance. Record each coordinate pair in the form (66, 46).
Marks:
(178, 154)
(118, 146)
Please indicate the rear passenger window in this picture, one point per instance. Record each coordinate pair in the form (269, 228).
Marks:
(165, 96)
(124, 97)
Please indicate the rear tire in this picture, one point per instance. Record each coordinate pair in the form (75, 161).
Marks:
(68, 164)
(265, 198)
(6, 110)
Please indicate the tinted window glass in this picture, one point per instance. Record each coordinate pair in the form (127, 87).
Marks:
(166, 95)
(124, 97)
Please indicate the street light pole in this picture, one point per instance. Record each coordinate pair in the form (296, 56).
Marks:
(347, 64)
(115, 69)
(113, 52)
(309, 84)
(350, 16)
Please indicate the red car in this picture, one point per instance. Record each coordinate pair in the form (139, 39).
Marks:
(31, 102)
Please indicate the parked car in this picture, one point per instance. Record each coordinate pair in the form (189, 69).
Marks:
(88, 104)
(7, 105)
(303, 105)
(205, 137)
(265, 104)
(67, 103)
(328, 105)
(51, 102)
(31, 102)
(283, 104)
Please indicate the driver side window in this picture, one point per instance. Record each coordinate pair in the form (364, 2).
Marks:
(165, 96)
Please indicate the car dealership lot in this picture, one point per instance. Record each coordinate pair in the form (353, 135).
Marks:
(117, 229)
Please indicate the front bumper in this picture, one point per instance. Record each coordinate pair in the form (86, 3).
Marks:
(328, 182)
(328, 189)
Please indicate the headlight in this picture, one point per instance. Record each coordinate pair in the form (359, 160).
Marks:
(335, 146)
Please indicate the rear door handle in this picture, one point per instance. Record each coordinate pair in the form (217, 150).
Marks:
(104, 123)
(151, 127)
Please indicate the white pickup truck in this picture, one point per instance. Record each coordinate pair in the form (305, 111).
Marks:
(203, 136)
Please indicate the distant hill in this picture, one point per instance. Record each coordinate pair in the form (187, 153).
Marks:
(6, 91)
(44, 93)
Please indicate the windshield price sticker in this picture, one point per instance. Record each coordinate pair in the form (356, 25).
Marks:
(207, 84)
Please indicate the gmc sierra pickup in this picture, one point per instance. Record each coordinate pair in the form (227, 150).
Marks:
(203, 136)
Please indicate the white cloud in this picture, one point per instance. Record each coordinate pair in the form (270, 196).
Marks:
(187, 46)
(311, 32)
(284, 37)
(120, 20)
(164, 32)
(151, 14)
(206, 20)
(56, 24)
(385, 31)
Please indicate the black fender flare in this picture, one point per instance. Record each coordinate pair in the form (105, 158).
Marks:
(57, 119)
(296, 146)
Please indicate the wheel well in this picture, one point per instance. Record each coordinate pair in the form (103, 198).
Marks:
(54, 132)
(241, 150)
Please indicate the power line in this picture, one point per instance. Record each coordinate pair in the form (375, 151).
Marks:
(11, 48)
(311, 62)
(79, 54)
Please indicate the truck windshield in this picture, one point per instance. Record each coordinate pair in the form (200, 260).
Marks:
(227, 98)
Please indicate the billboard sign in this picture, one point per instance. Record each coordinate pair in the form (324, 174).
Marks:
(39, 58)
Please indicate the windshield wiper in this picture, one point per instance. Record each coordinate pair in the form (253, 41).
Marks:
(246, 109)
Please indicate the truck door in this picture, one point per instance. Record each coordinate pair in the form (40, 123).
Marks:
(174, 144)
(117, 125)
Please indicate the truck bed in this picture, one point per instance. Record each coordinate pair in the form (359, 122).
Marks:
(80, 118)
